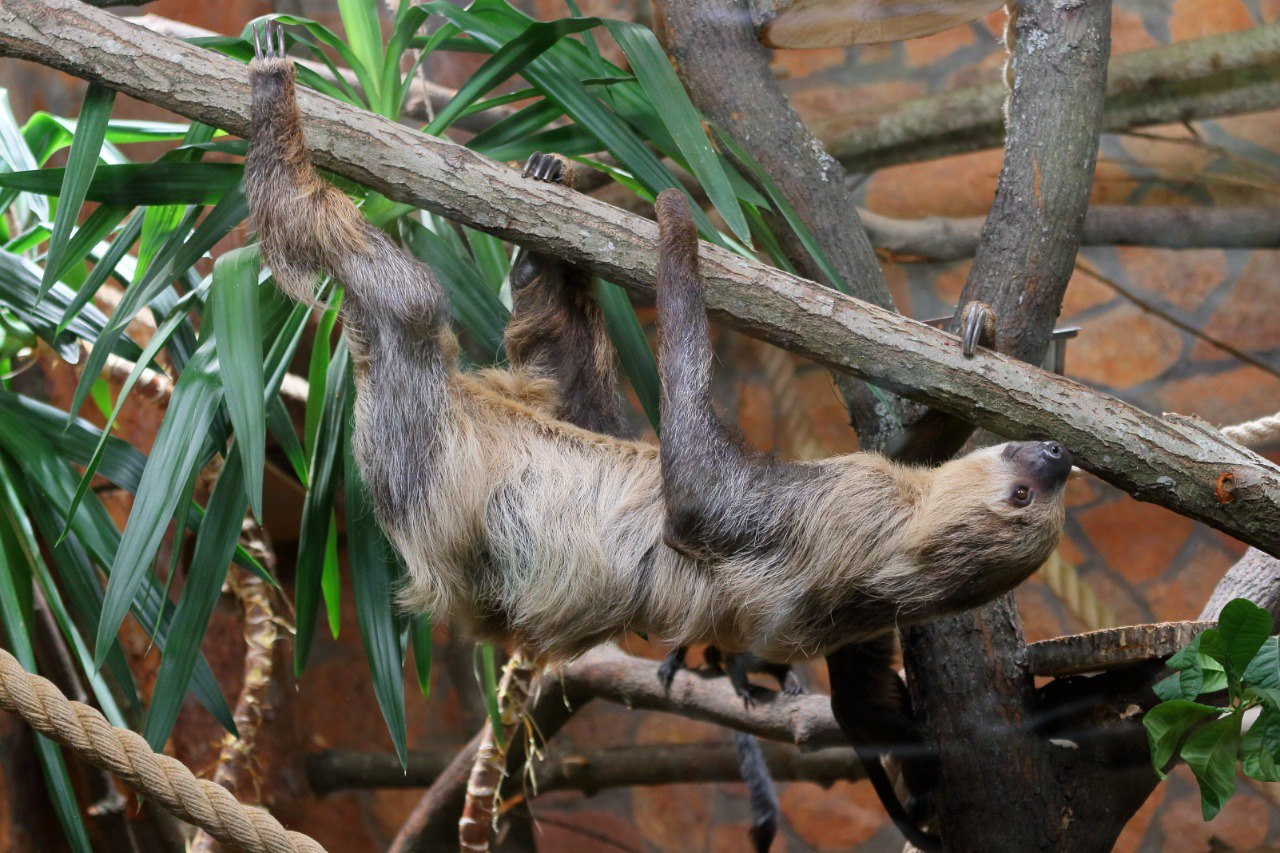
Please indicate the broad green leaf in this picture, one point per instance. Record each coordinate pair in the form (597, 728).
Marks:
(373, 575)
(1168, 723)
(1211, 753)
(238, 326)
(138, 184)
(215, 543)
(1260, 747)
(1244, 627)
(420, 641)
(1264, 669)
(634, 353)
(178, 449)
(326, 471)
(81, 163)
(15, 613)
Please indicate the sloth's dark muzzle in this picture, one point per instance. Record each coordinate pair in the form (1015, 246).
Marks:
(1046, 462)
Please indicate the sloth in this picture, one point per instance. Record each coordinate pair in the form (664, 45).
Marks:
(520, 514)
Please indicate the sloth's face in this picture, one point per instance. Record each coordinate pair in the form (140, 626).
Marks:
(994, 516)
(1034, 470)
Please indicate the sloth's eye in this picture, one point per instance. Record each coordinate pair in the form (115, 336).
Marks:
(1021, 496)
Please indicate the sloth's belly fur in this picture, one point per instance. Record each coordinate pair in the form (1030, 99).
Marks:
(535, 532)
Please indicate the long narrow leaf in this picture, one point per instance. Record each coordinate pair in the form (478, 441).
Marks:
(15, 508)
(510, 59)
(238, 326)
(660, 82)
(214, 546)
(137, 184)
(91, 129)
(182, 437)
(15, 612)
(420, 641)
(634, 353)
(326, 470)
(174, 257)
(93, 528)
(373, 571)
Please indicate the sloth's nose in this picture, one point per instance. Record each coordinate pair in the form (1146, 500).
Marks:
(1054, 460)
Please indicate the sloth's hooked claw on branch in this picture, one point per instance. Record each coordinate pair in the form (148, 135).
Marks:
(979, 328)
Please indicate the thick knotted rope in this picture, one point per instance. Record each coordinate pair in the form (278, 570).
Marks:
(1255, 433)
(165, 780)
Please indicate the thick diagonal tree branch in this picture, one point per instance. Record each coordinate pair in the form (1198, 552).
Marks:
(1171, 461)
(1199, 79)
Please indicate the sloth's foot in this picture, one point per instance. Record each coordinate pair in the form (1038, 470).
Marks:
(552, 168)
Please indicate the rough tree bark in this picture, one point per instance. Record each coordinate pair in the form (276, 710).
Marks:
(1174, 462)
(969, 670)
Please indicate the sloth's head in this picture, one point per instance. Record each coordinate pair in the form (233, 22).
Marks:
(989, 519)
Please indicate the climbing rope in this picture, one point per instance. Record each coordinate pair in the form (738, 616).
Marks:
(126, 754)
(1255, 433)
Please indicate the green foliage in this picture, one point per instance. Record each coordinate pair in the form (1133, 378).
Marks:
(227, 337)
(1240, 657)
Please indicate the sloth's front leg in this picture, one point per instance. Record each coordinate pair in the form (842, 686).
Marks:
(722, 499)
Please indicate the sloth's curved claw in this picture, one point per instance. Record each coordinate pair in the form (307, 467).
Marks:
(257, 41)
(551, 168)
(978, 328)
(671, 664)
(278, 52)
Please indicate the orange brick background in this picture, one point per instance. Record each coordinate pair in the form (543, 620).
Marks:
(1147, 564)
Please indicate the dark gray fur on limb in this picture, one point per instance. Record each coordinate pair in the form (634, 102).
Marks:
(1175, 462)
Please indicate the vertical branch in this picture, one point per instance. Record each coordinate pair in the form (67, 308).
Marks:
(968, 673)
(727, 73)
